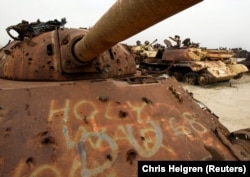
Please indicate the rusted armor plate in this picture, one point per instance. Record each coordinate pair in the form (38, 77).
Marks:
(101, 128)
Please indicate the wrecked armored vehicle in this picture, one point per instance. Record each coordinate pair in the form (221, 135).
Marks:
(242, 56)
(195, 65)
(72, 104)
(144, 51)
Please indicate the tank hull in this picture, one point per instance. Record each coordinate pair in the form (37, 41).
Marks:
(196, 65)
(101, 128)
(214, 71)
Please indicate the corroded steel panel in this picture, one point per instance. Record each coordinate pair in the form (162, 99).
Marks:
(49, 57)
(101, 128)
(217, 53)
(30, 60)
(188, 54)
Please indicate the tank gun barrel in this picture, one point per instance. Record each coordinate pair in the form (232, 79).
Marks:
(123, 20)
(153, 42)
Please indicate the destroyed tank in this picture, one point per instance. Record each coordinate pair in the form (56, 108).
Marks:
(143, 51)
(195, 65)
(72, 104)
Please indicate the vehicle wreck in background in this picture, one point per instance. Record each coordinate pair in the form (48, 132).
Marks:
(243, 56)
(190, 63)
(97, 116)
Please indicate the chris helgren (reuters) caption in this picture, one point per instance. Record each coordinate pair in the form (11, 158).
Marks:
(193, 168)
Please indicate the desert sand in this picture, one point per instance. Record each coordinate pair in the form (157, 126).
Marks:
(230, 101)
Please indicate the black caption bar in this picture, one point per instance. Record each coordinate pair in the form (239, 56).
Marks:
(193, 168)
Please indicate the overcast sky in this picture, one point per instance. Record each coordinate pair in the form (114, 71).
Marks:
(212, 23)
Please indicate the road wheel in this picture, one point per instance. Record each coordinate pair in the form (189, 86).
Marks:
(190, 78)
(203, 79)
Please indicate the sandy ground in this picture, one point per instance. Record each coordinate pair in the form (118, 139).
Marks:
(228, 100)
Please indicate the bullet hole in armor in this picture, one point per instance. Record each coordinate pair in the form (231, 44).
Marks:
(85, 120)
(122, 114)
(29, 60)
(49, 49)
(142, 138)
(131, 155)
(109, 157)
(48, 140)
(30, 161)
(103, 98)
(146, 100)
(52, 68)
(27, 107)
(7, 132)
(8, 129)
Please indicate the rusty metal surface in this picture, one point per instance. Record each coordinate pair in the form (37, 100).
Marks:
(195, 54)
(101, 128)
(49, 57)
(103, 125)
(29, 59)
(188, 54)
(218, 53)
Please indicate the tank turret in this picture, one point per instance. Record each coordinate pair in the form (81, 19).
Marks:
(103, 124)
(42, 53)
